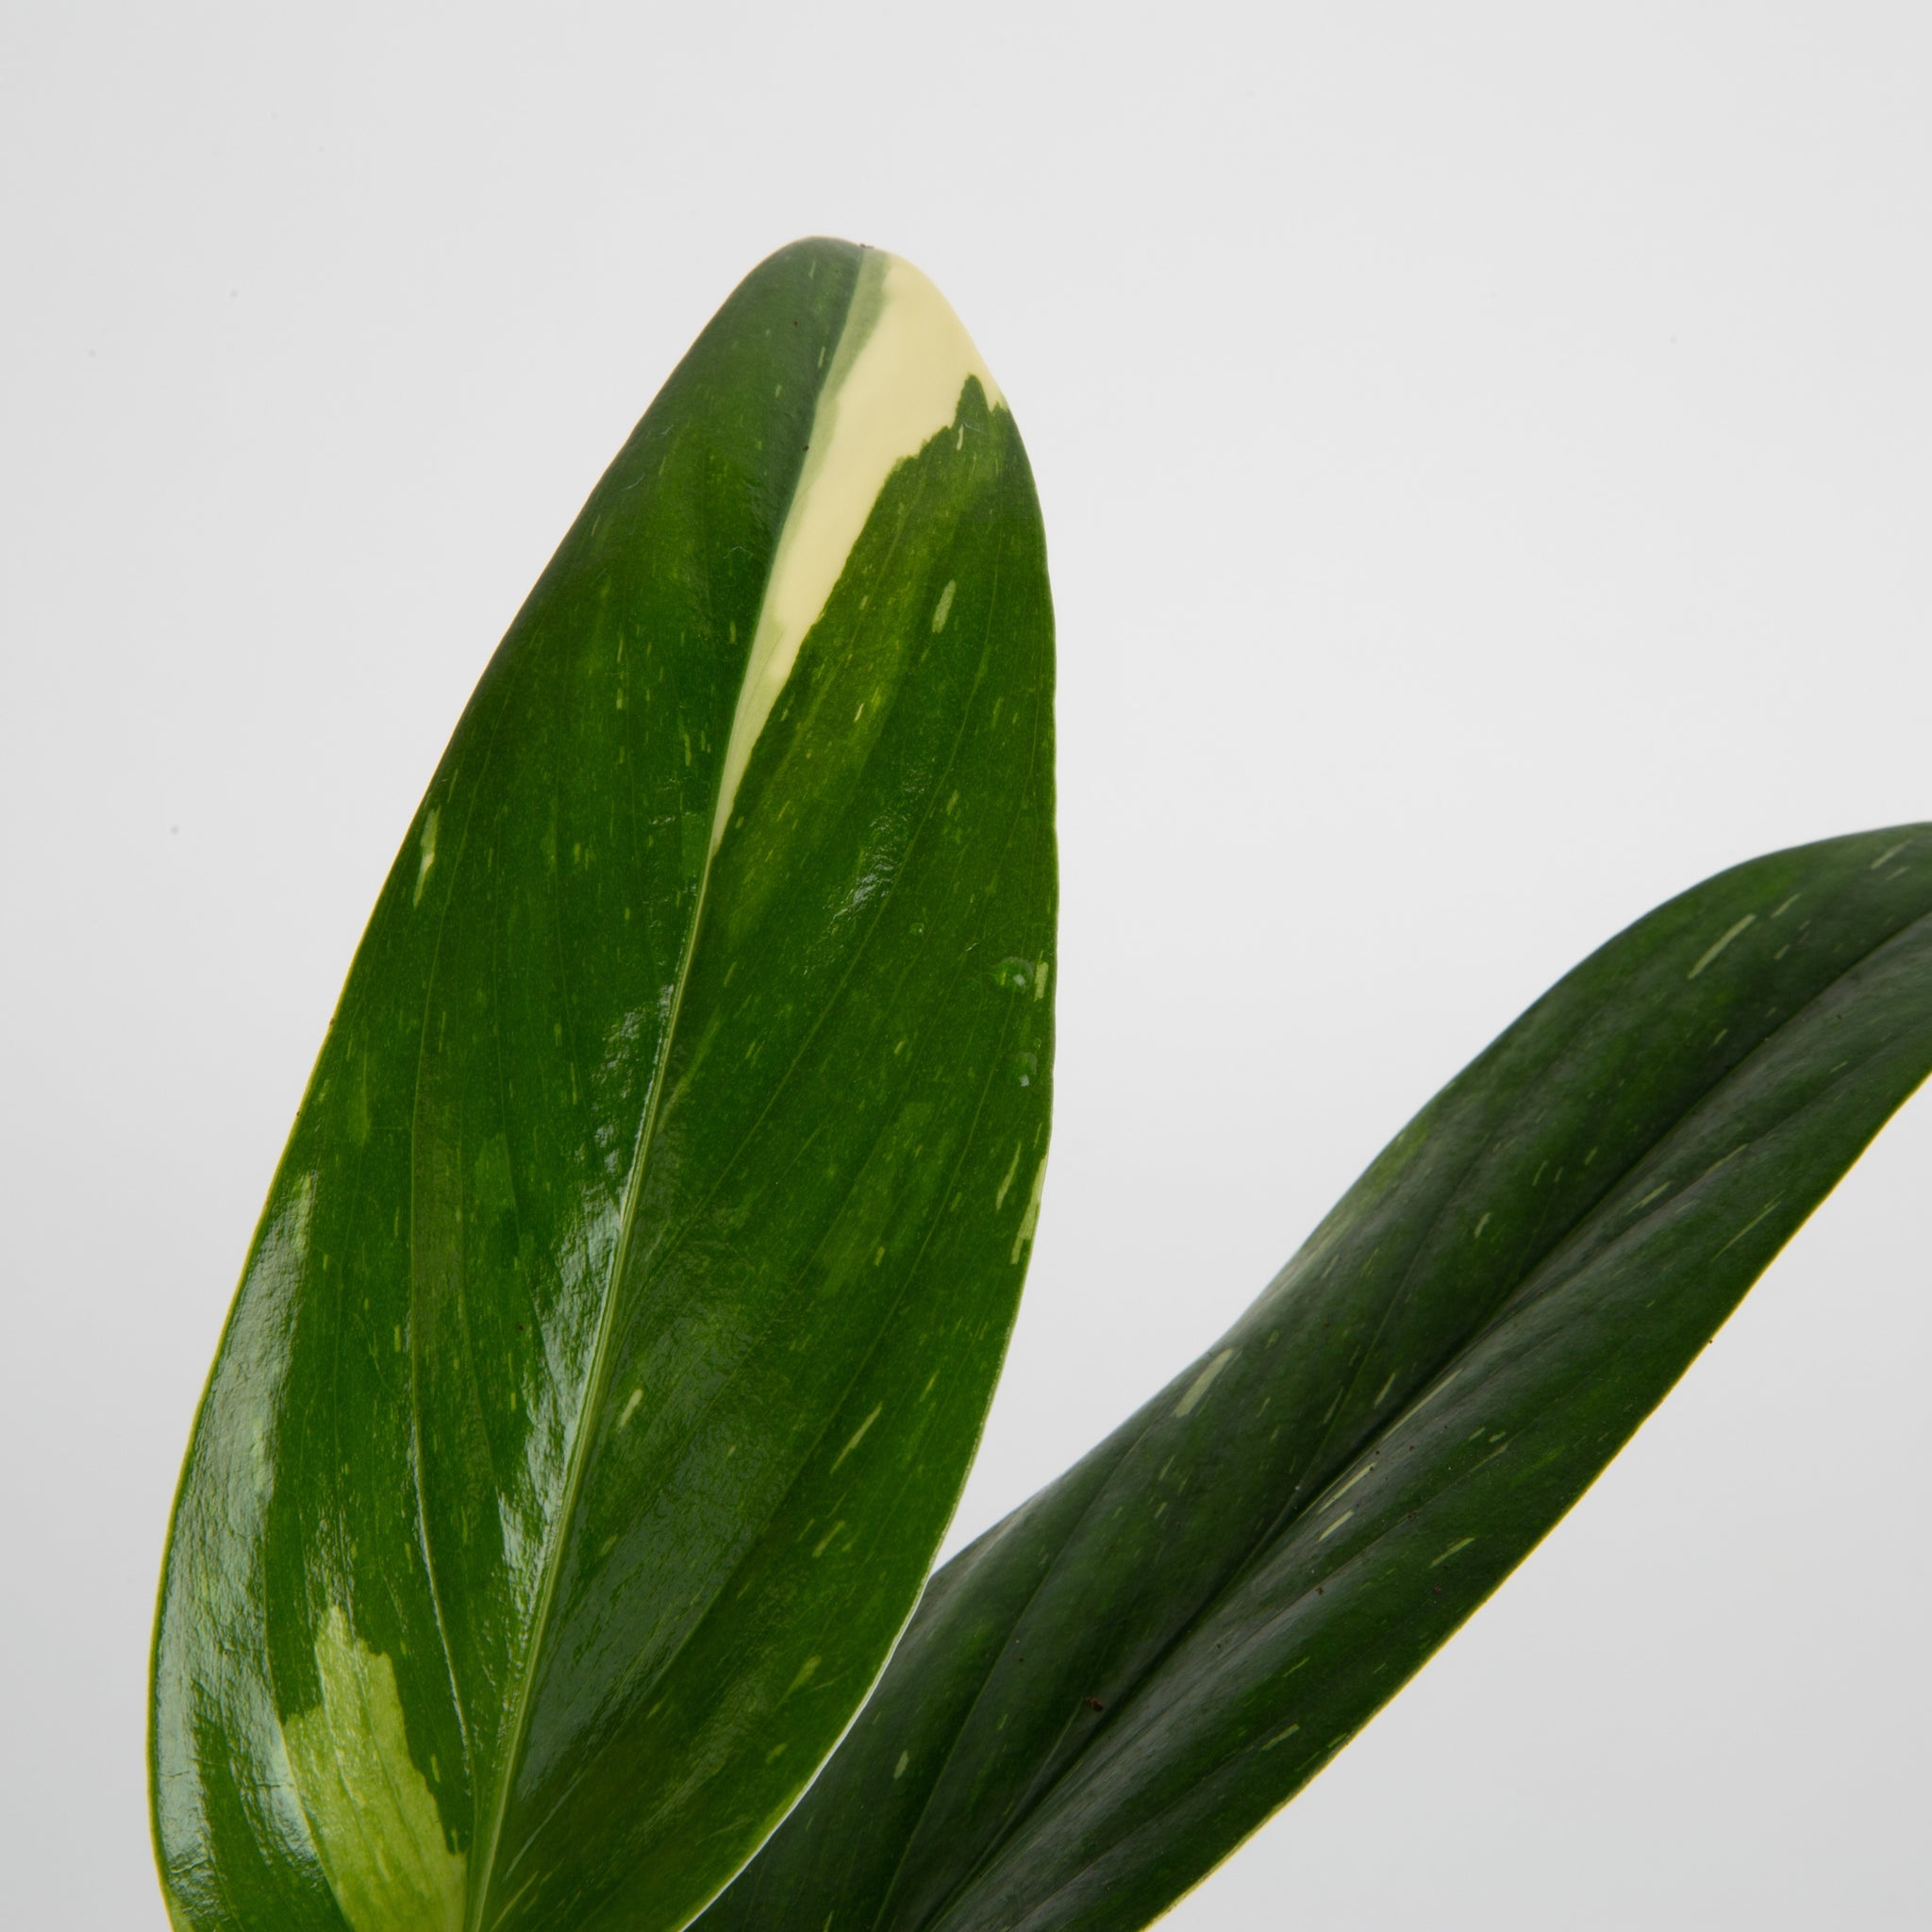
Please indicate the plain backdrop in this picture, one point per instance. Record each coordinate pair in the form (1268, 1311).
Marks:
(1487, 459)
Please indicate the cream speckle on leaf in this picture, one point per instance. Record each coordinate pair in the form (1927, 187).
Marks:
(1030, 1220)
(858, 1435)
(1202, 1383)
(428, 852)
(1748, 920)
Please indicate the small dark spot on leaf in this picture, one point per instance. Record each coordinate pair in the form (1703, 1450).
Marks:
(1094, 1703)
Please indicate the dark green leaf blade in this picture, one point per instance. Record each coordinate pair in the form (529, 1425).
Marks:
(627, 1301)
(1101, 1696)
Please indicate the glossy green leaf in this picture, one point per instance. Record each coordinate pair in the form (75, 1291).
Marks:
(627, 1302)
(1103, 1695)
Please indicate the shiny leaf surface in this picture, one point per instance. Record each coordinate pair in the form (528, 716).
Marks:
(627, 1304)
(1103, 1695)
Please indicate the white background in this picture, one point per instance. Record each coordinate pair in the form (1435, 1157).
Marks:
(1487, 457)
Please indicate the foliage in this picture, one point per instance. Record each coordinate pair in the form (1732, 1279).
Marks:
(627, 1302)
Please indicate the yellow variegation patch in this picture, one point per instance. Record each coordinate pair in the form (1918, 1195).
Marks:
(370, 1812)
(902, 360)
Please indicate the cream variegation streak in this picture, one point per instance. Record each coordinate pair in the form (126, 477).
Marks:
(370, 1812)
(902, 360)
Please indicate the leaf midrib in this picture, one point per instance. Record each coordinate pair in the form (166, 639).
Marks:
(677, 1236)
(483, 1873)
(587, 1414)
